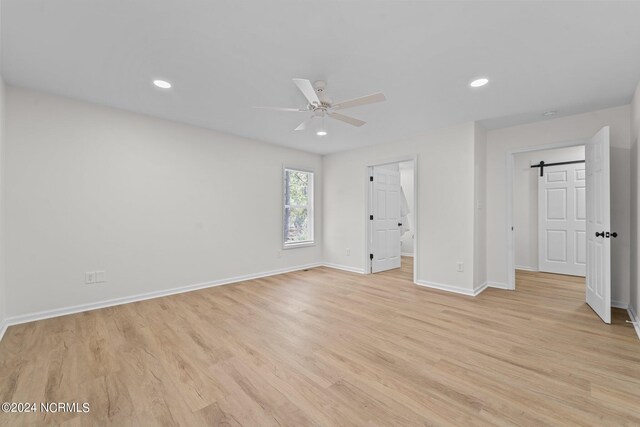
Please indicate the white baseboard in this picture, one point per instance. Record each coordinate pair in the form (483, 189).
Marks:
(634, 318)
(3, 328)
(409, 254)
(498, 285)
(489, 284)
(443, 287)
(477, 290)
(16, 320)
(619, 304)
(525, 268)
(343, 267)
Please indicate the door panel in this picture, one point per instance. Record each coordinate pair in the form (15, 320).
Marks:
(557, 245)
(386, 217)
(598, 221)
(556, 204)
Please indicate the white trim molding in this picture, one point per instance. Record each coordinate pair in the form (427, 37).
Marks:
(498, 285)
(619, 304)
(477, 290)
(634, 319)
(344, 268)
(525, 268)
(25, 318)
(3, 327)
(444, 287)
(409, 254)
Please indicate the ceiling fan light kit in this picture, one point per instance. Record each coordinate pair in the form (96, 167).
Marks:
(322, 130)
(321, 106)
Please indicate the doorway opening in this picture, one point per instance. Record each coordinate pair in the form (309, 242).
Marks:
(550, 211)
(391, 226)
(563, 226)
(549, 207)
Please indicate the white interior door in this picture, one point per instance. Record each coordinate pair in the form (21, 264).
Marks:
(386, 219)
(598, 224)
(562, 221)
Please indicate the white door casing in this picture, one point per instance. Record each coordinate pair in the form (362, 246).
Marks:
(386, 217)
(562, 219)
(598, 221)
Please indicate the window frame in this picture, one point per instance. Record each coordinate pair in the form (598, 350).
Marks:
(310, 207)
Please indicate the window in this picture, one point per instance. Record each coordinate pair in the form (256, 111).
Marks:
(298, 208)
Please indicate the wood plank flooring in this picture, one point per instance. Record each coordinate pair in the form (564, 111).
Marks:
(325, 347)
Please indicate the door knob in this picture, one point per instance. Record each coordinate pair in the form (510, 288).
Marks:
(399, 224)
(601, 234)
(614, 234)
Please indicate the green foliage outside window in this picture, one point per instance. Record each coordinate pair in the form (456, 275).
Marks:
(298, 225)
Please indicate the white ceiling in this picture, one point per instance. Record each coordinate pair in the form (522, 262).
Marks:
(225, 56)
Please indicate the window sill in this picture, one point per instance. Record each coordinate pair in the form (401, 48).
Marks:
(298, 245)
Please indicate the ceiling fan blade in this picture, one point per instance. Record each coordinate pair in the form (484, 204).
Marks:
(304, 125)
(363, 100)
(347, 119)
(299, 110)
(307, 90)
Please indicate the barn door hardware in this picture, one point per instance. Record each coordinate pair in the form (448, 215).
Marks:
(543, 165)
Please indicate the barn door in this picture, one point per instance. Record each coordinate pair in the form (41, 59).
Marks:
(562, 215)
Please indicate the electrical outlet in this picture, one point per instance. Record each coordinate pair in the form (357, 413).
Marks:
(460, 266)
(90, 277)
(348, 251)
(101, 276)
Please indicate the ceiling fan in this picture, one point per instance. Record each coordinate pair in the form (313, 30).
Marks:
(321, 106)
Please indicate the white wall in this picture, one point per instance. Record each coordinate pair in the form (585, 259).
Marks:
(635, 203)
(406, 181)
(479, 206)
(445, 189)
(3, 292)
(525, 200)
(571, 128)
(155, 203)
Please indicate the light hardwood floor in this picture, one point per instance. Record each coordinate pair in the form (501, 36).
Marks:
(326, 347)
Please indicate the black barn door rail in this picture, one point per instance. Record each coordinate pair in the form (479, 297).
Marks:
(542, 165)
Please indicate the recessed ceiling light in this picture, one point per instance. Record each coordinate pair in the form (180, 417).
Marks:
(479, 82)
(162, 84)
(549, 113)
(321, 133)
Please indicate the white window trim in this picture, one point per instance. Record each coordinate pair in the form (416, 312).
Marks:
(310, 208)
